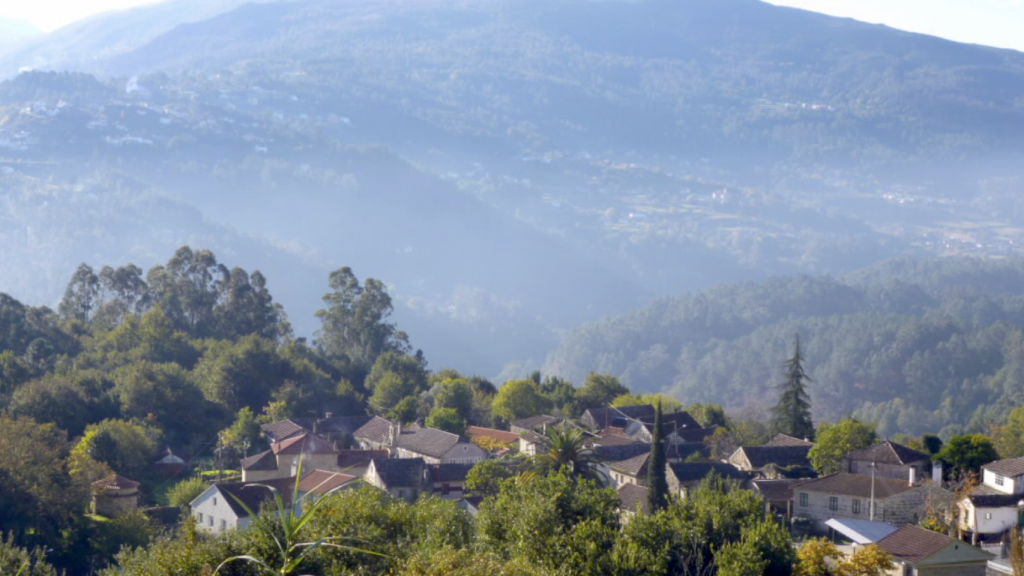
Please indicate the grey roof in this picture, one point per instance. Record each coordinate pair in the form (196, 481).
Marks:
(630, 495)
(1011, 467)
(688, 472)
(282, 429)
(262, 461)
(775, 490)
(787, 440)
(635, 466)
(449, 472)
(619, 417)
(341, 424)
(856, 485)
(678, 422)
(533, 437)
(782, 456)
(620, 452)
(861, 531)
(888, 453)
(358, 458)
(254, 494)
(534, 422)
(399, 472)
(988, 497)
(427, 441)
(375, 430)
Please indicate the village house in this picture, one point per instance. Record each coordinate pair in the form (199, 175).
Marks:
(624, 464)
(357, 462)
(633, 499)
(777, 494)
(787, 440)
(283, 458)
(400, 477)
(995, 505)
(334, 428)
(530, 443)
(434, 446)
(218, 509)
(887, 459)
(171, 462)
(773, 462)
(375, 434)
(493, 437)
(843, 495)
(448, 480)
(685, 477)
(319, 483)
(921, 552)
(534, 423)
(114, 496)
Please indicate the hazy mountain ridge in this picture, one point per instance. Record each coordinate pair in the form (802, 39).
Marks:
(572, 159)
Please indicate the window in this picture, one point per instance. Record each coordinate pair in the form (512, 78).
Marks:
(803, 498)
(214, 500)
(223, 524)
(1000, 479)
(210, 518)
(988, 515)
(856, 506)
(833, 503)
(200, 517)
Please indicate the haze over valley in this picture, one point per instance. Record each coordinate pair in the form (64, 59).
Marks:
(509, 169)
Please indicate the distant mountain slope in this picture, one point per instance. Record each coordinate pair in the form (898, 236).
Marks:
(14, 32)
(694, 76)
(913, 345)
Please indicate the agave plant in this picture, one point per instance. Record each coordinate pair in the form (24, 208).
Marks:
(293, 550)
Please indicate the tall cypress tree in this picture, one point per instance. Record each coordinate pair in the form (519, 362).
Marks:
(657, 485)
(792, 414)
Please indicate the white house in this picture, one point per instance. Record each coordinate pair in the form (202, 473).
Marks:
(217, 510)
(994, 506)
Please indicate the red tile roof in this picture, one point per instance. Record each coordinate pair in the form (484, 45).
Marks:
(913, 544)
(321, 482)
(304, 444)
(116, 482)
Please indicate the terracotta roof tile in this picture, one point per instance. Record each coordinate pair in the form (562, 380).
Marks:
(321, 482)
(116, 482)
(304, 444)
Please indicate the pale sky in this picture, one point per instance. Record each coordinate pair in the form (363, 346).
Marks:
(991, 22)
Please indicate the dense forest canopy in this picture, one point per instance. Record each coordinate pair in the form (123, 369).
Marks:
(915, 346)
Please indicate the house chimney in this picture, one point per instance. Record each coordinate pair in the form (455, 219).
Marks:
(913, 475)
(937, 473)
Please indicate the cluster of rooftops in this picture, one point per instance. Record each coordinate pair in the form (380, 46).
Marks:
(878, 495)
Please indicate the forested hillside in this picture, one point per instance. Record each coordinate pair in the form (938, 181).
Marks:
(508, 169)
(915, 346)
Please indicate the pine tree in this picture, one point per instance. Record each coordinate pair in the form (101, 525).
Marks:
(792, 414)
(657, 485)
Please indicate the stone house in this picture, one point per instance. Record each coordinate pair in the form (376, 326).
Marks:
(448, 480)
(685, 477)
(534, 423)
(888, 459)
(400, 477)
(282, 460)
(773, 462)
(114, 496)
(843, 495)
(434, 446)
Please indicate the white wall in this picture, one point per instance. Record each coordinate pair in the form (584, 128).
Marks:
(212, 513)
(1009, 486)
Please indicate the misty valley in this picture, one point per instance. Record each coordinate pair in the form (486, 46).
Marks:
(523, 230)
